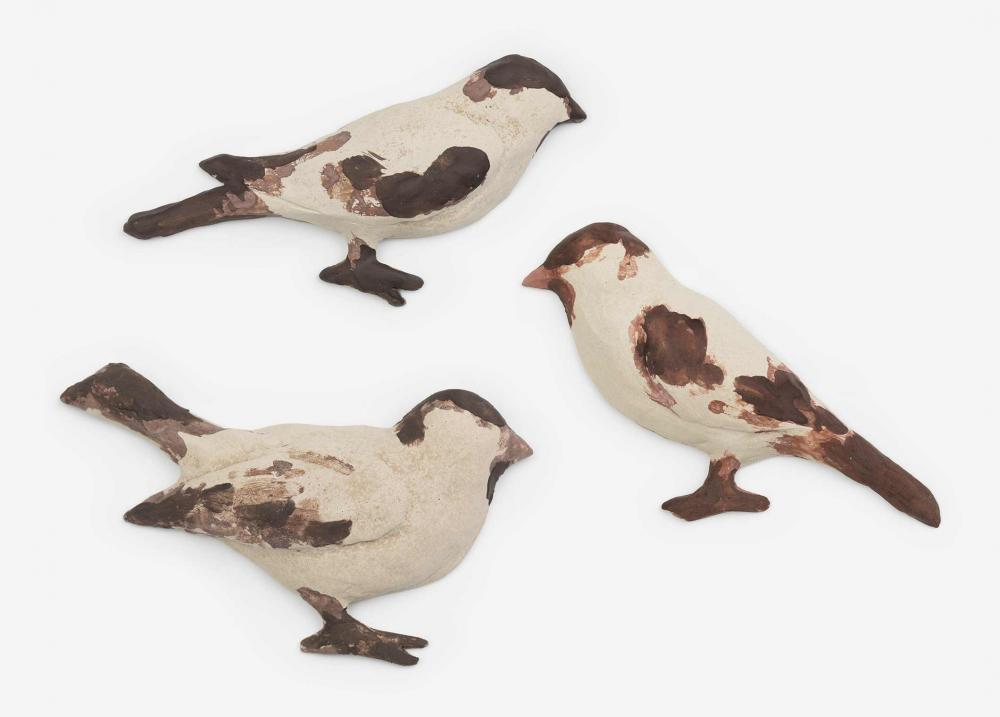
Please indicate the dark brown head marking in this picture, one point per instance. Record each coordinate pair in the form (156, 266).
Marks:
(674, 347)
(784, 397)
(411, 428)
(571, 249)
(362, 171)
(516, 73)
(449, 179)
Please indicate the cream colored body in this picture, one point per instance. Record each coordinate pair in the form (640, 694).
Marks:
(415, 509)
(508, 127)
(604, 312)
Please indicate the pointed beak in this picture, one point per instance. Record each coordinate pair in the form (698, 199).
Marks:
(517, 448)
(539, 278)
(576, 113)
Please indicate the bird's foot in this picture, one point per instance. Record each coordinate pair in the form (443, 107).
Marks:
(343, 635)
(363, 271)
(718, 494)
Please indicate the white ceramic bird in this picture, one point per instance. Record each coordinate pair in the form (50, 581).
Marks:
(414, 169)
(678, 364)
(339, 514)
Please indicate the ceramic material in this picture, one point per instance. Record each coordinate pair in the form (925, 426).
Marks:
(414, 169)
(678, 364)
(339, 514)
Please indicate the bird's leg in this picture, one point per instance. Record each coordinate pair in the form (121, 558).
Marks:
(718, 494)
(343, 635)
(362, 270)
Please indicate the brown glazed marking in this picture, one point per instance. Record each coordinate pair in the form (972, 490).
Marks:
(783, 397)
(859, 460)
(449, 179)
(516, 73)
(571, 249)
(674, 347)
(124, 396)
(361, 170)
(410, 428)
(342, 467)
(226, 512)
(278, 469)
(341, 634)
(718, 494)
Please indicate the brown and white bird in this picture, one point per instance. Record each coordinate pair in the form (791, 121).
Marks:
(414, 169)
(339, 514)
(678, 364)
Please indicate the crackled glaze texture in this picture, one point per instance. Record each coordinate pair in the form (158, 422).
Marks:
(339, 514)
(414, 169)
(678, 364)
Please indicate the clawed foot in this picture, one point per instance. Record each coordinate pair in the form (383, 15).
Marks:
(363, 271)
(343, 635)
(718, 494)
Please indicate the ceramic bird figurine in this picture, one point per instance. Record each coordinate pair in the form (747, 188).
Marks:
(678, 364)
(414, 169)
(339, 514)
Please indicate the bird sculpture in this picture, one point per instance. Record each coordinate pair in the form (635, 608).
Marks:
(414, 169)
(339, 514)
(679, 365)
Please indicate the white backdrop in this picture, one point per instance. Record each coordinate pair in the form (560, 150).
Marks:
(827, 171)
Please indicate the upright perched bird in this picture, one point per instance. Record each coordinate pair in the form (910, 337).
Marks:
(339, 514)
(678, 364)
(414, 169)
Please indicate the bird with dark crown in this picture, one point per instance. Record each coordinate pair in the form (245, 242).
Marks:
(414, 169)
(680, 365)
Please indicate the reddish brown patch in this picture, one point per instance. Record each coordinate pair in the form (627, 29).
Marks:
(361, 170)
(478, 88)
(278, 469)
(674, 348)
(717, 407)
(781, 396)
(327, 461)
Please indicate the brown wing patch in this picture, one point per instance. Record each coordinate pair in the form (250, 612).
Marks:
(361, 170)
(781, 396)
(239, 513)
(264, 174)
(449, 179)
(674, 348)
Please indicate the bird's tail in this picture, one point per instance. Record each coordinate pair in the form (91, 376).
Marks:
(232, 201)
(120, 394)
(859, 460)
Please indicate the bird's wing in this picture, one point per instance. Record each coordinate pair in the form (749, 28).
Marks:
(703, 366)
(358, 182)
(298, 500)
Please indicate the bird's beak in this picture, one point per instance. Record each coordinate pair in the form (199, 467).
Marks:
(517, 448)
(576, 113)
(539, 278)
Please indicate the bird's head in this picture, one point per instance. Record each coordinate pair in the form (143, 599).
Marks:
(597, 260)
(461, 426)
(523, 85)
